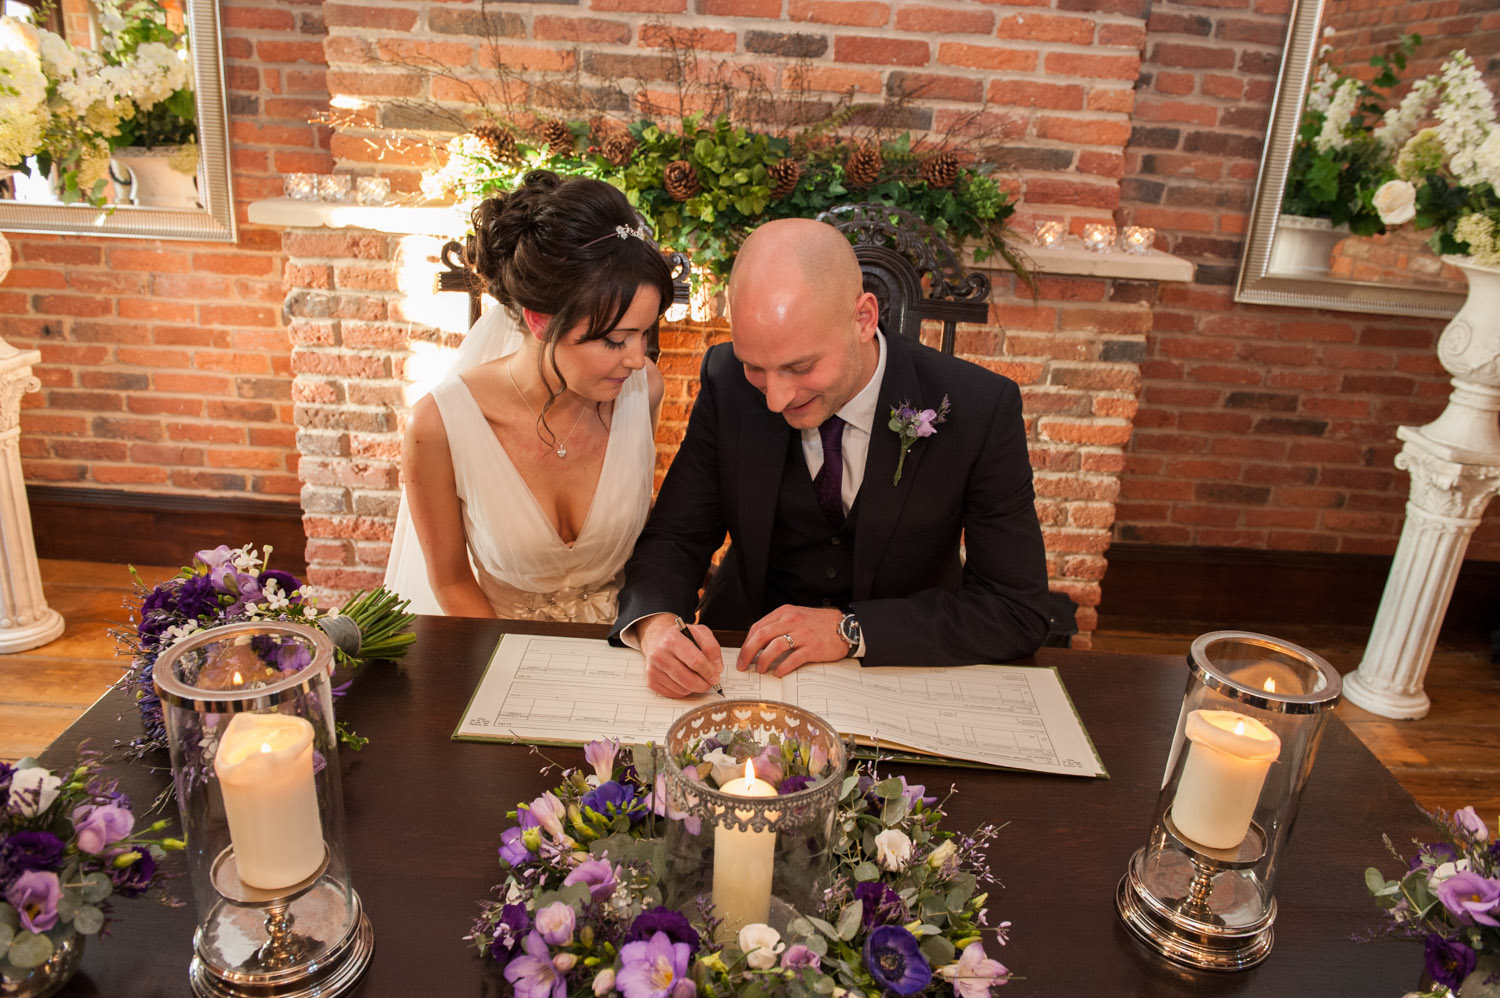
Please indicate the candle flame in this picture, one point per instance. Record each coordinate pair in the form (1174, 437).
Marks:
(1239, 727)
(1270, 685)
(265, 746)
(749, 770)
(237, 679)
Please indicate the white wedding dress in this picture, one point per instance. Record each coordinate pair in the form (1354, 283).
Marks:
(522, 565)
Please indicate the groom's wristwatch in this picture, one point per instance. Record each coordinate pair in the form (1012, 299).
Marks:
(850, 632)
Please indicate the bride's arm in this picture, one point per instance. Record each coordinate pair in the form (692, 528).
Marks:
(655, 389)
(432, 496)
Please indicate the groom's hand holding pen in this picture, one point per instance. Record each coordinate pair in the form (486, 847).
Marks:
(682, 659)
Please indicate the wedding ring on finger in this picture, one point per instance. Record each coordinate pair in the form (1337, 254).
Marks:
(791, 642)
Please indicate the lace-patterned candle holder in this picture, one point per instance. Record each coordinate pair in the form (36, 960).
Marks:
(753, 854)
(1202, 890)
(1049, 234)
(1099, 237)
(248, 709)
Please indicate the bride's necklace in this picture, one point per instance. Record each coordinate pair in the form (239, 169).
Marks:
(562, 446)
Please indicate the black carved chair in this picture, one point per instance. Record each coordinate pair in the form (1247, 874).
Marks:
(911, 270)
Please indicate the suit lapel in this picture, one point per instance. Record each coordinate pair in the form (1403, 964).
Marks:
(762, 444)
(880, 502)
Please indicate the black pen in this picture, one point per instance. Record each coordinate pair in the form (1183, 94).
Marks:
(682, 629)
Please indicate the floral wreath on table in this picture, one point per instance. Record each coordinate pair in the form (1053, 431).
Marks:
(67, 843)
(581, 910)
(231, 585)
(1449, 898)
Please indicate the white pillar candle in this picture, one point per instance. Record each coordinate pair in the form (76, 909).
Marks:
(743, 861)
(1221, 779)
(265, 769)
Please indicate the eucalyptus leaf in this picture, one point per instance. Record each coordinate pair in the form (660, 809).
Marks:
(866, 871)
(29, 949)
(888, 789)
(89, 920)
(849, 919)
(9, 917)
(1375, 881)
(96, 887)
(895, 811)
(7, 933)
(68, 903)
(939, 951)
(823, 927)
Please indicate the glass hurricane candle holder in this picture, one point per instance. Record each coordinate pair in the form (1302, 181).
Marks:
(755, 854)
(1201, 891)
(336, 187)
(1099, 237)
(1049, 234)
(249, 716)
(301, 186)
(372, 190)
(1138, 239)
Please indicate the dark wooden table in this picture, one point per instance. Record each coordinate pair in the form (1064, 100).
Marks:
(425, 813)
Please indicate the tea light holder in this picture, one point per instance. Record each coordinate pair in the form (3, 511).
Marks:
(301, 186)
(1099, 237)
(249, 716)
(755, 855)
(1137, 239)
(1050, 234)
(1201, 892)
(372, 190)
(336, 187)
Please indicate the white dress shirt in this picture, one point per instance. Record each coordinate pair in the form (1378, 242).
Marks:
(858, 415)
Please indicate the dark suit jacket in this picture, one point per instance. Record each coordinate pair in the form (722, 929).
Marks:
(917, 601)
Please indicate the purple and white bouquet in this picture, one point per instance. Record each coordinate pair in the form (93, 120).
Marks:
(1449, 898)
(228, 585)
(580, 912)
(68, 843)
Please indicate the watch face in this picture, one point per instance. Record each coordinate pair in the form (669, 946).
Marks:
(849, 630)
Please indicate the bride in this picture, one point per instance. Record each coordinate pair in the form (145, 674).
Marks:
(528, 469)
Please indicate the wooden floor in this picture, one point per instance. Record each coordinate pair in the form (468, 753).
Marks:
(1448, 759)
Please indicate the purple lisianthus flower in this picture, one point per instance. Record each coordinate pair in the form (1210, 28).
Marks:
(95, 827)
(287, 582)
(1448, 960)
(598, 874)
(895, 961)
(555, 923)
(196, 598)
(533, 974)
(792, 784)
(665, 920)
(27, 850)
(513, 850)
(34, 895)
(657, 801)
(612, 798)
(1471, 897)
(882, 906)
(133, 877)
(798, 956)
(509, 931)
(1468, 821)
(654, 968)
(212, 558)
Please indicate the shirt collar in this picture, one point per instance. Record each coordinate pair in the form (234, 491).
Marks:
(859, 411)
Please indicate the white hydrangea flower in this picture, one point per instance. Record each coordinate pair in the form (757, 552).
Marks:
(1340, 111)
(57, 54)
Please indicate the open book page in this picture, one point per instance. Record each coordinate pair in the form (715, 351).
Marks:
(571, 690)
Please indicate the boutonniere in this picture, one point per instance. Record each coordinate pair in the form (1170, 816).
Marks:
(912, 424)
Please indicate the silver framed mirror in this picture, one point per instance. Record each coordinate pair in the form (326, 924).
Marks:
(215, 221)
(1260, 281)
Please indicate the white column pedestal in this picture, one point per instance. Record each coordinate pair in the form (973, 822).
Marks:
(26, 620)
(1450, 487)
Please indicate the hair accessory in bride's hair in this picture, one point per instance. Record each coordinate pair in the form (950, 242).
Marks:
(621, 232)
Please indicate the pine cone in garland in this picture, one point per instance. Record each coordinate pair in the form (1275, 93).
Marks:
(500, 143)
(556, 136)
(617, 149)
(940, 170)
(864, 167)
(680, 180)
(784, 176)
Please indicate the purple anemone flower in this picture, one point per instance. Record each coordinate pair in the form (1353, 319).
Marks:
(598, 874)
(1448, 960)
(665, 920)
(533, 974)
(895, 961)
(655, 968)
(34, 895)
(882, 906)
(1472, 898)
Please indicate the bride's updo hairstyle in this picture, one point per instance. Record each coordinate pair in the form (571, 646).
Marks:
(551, 245)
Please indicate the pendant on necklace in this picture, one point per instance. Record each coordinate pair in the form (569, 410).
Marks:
(562, 452)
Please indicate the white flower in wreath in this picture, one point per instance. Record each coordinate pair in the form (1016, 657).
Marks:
(32, 791)
(762, 944)
(893, 849)
(1396, 201)
(725, 766)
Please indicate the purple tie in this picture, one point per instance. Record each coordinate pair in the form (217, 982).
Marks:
(828, 484)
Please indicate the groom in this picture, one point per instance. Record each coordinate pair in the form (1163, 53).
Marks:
(840, 547)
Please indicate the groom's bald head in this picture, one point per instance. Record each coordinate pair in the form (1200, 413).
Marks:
(801, 322)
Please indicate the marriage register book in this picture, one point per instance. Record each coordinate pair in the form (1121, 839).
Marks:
(569, 690)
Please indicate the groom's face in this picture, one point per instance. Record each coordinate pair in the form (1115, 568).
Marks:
(811, 359)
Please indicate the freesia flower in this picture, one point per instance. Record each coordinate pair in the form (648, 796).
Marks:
(1448, 961)
(761, 944)
(973, 973)
(555, 923)
(1466, 818)
(799, 956)
(34, 895)
(893, 958)
(513, 849)
(32, 791)
(604, 982)
(941, 854)
(549, 812)
(654, 969)
(533, 974)
(598, 874)
(662, 808)
(97, 827)
(601, 755)
(1471, 898)
(893, 848)
(915, 794)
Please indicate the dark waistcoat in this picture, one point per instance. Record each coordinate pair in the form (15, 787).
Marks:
(812, 562)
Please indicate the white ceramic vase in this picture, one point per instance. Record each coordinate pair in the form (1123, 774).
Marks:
(1469, 349)
(150, 180)
(1303, 245)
